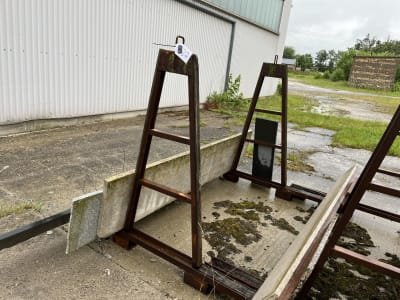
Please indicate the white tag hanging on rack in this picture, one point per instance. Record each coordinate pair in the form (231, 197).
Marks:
(183, 52)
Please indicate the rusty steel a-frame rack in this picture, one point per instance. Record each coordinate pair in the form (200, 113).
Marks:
(284, 191)
(168, 62)
(279, 71)
(219, 276)
(267, 70)
(363, 184)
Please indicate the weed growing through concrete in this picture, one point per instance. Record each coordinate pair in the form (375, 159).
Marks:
(296, 161)
(6, 210)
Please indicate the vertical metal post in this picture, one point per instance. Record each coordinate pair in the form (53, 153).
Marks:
(284, 120)
(194, 121)
(246, 126)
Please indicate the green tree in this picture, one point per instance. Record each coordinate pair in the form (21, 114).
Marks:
(332, 60)
(390, 47)
(345, 61)
(304, 61)
(289, 52)
(366, 44)
(321, 60)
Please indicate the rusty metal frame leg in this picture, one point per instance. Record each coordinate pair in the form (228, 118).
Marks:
(150, 121)
(231, 174)
(194, 123)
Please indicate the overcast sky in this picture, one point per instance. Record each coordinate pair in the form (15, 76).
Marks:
(336, 24)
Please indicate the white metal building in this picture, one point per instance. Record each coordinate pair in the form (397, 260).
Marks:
(72, 58)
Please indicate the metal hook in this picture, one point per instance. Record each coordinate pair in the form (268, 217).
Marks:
(179, 37)
(276, 59)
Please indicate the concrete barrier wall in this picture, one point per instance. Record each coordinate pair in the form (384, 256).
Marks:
(216, 159)
(101, 214)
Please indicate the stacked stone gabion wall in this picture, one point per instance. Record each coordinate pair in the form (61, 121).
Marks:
(375, 72)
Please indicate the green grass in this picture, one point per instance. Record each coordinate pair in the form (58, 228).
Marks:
(6, 210)
(249, 150)
(350, 133)
(308, 78)
(296, 162)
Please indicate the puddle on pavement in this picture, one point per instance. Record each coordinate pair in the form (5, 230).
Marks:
(331, 105)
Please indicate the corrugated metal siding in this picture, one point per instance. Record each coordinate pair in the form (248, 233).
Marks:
(66, 58)
(253, 46)
(266, 13)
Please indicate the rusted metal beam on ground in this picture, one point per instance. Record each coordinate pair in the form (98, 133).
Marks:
(236, 273)
(205, 277)
(369, 262)
(384, 190)
(26, 232)
(301, 192)
(387, 172)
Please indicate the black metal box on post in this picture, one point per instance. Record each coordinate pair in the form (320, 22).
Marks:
(263, 155)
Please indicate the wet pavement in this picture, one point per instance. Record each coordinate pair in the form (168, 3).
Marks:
(342, 103)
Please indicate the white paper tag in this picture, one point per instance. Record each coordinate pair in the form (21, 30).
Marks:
(183, 52)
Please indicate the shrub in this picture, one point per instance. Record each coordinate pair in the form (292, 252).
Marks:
(345, 62)
(397, 78)
(231, 98)
(279, 89)
(337, 75)
(326, 75)
(396, 87)
(318, 76)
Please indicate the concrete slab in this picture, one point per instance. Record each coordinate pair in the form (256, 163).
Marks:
(83, 222)
(216, 159)
(39, 269)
